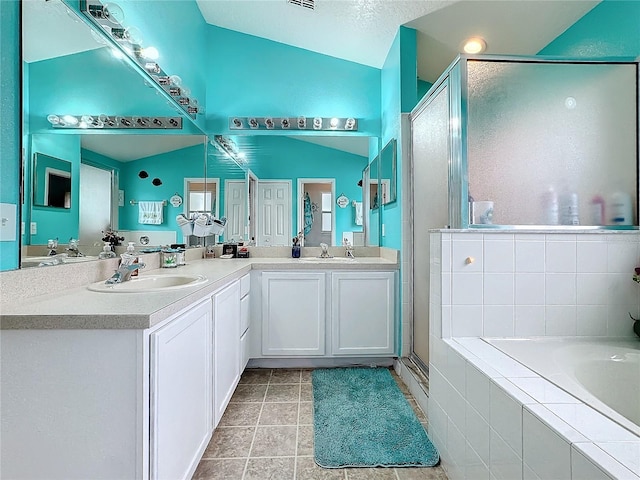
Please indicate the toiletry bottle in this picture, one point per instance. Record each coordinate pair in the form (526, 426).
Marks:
(597, 210)
(620, 210)
(568, 208)
(550, 207)
(131, 250)
(106, 251)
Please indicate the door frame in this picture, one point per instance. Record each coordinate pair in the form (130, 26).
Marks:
(300, 204)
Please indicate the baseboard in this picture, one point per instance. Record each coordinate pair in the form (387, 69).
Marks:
(320, 362)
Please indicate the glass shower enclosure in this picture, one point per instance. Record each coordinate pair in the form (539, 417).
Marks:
(521, 143)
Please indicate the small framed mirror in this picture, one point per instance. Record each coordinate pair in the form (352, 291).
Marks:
(51, 181)
(388, 173)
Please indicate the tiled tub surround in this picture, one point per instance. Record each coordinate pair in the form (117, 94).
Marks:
(489, 415)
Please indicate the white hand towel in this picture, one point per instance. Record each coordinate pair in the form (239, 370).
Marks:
(150, 212)
(357, 212)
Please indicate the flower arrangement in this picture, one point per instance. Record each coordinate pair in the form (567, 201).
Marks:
(112, 237)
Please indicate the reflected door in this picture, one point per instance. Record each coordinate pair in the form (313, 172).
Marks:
(95, 203)
(235, 207)
(274, 217)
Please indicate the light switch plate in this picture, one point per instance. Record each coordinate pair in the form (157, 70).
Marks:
(33, 228)
(8, 218)
(121, 198)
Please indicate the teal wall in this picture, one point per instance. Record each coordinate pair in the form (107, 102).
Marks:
(10, 123)
(285, 158)
(252, 76)
(172, 168)
(611, 28)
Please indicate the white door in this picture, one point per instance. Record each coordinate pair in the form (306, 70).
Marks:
(226, 347)
(181, 422)
(274, 213)
(235, 208)
(95, 204)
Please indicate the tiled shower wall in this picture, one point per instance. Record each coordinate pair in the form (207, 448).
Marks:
(533, 284)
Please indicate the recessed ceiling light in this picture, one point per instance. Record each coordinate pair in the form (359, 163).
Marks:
(474, 45)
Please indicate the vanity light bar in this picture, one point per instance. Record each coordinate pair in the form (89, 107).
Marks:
(293, 123)
(114, 122)
(228, 147)
(109, 19)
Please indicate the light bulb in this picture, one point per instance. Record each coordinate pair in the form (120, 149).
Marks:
(317, 123)
(113, 13)
(53, 119)
(175, 80)
(150, 53)
(133, 35)
(70, 120)
(474, 45)
(334, 122)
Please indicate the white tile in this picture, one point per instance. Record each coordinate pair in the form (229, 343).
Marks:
(591, 256)
(622, 257)
(591, 289)
(605, 461)
(438, 353)
(456, 409)
(506, 418)
(475, 468)
(560, 237)
(591, 320)
(528, 473)
(498, 289)
(546, 416)
(456, 446)
(529, 256)
(530, 321)
(437, 420)
(560, 257)
(529, 288)
(590, 423)
(542, 390)
(618, 322)
(445, 255)
(560, 320)
(466, 320)
(478, 388)
(503, 364)
(545, 452)
(622, 289)
(466, 289)
(478, 433)
(484, 367)
(498, 321)
(499, 255)
(584, 469)
(462, 252)
(435, 320)
(627, 453)
(514, 391)
(446, 321)
(505, 464)
(456, 366)
(445, 289)
(560, 289)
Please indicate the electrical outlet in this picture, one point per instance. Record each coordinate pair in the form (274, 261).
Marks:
(34, 228)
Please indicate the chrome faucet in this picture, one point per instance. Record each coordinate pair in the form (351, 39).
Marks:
(325, 251)
(73, 248)
(54, 259)
(348, 249)
(123, 273)
(52, 245)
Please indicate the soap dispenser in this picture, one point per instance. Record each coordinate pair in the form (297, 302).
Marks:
(106, 252)
(131, 250)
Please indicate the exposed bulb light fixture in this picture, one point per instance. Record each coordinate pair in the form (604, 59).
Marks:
(106, 121)
(474, 45)
(300, 122)
(229, 148)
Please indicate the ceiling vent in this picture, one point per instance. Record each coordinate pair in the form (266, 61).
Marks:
(310, 4)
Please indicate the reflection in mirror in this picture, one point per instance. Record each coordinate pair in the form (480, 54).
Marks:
(51, 181)
(281, 158)
(374, 184)
(388, 172)
(66, 70)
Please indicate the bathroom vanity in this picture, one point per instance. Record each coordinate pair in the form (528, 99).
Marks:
(132, 385)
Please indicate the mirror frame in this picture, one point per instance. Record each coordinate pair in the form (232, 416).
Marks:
(388, 186)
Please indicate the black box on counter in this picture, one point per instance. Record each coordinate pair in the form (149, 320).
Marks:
(230, 249)
(243, 253)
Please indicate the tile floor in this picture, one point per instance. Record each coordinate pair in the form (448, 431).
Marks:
(266, 433)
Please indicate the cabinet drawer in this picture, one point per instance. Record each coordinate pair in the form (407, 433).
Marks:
(245, 285)
(244, 314)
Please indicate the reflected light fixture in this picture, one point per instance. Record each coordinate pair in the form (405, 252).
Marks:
(116, 122)
(285, 123)
(474, 45)
(229, 148)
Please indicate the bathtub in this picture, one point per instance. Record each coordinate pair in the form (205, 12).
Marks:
(605, 374)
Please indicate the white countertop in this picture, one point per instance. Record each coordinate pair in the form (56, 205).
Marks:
(80, 308)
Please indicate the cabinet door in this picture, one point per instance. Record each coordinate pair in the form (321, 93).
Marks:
(181, 413)
(293, 313)
(226, 346)
(362, 313)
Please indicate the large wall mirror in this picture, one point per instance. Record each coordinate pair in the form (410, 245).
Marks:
(67, 69)
(280, 183)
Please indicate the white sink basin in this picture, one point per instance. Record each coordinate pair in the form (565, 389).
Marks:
(150, 283)
(326, 260)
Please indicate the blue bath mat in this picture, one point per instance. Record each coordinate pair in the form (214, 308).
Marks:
(362, 419)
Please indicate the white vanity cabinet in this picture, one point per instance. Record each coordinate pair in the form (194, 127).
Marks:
(293, 313)
(226, 346)
(245, 310)
(180, 393)
(362, 313)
